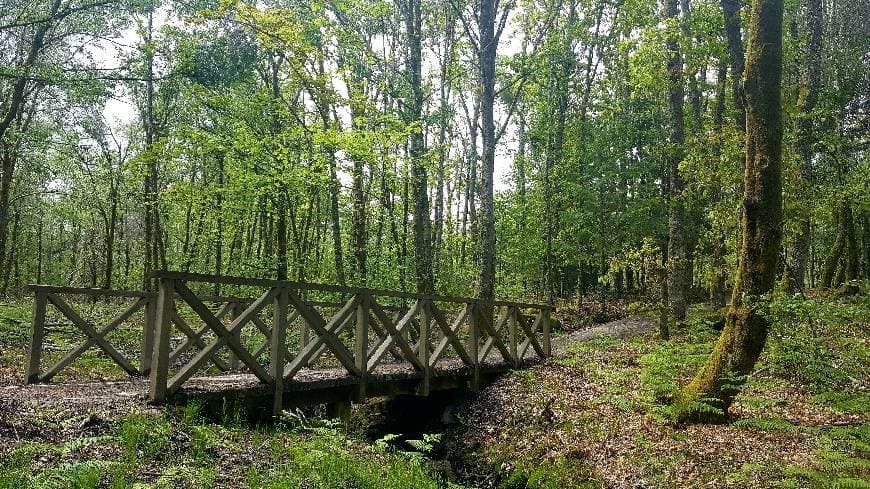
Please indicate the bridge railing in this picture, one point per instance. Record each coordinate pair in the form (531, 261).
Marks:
(59, 320)
(359, 331)
(69, 322)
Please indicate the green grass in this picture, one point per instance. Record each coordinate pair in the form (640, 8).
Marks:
(181, 450)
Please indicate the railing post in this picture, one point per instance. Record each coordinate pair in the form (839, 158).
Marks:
(276, 348)
(163, 323)
(423, 348)
(545, 328)
(34, 352)
(235, 310)
(474, 344)
(148, 336)
(361, 344)
(512, 335)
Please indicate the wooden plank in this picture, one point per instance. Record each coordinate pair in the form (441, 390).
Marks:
(83, 325)
(148, 330)
(494, 339)
(278, 348)
(423, 348)
(320, 350)
(37, 333)
(193, 338)
(531, 337)
(89, 342)
(264, 328)
(382, 336)
(236, 309)
(536, 326)
(325, 334)
(222, 279)
(361, 344)
(449, 336)
(224, 337)
(512, 334)
(489, 341)
(394, 337)
(160, 362)
(57, 289)
(473, 344)
(545, 326)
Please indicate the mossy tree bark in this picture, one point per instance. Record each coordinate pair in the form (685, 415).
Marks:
(746, 328)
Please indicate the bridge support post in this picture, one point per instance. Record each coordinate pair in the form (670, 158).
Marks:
(276, 350)
(148, 329)
(236, 309)
(34, 351)
(512, 336)
(163, 324)
(473, 344)
(361, 344)
(545, 328)
(423, 348)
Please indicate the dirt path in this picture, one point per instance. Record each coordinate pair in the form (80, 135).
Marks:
(621, 328)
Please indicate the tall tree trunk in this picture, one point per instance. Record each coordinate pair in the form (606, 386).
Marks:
(487, 44)
(7, 268)
(678, 289)
(811, 78)
(219, 224)
(110, 232)
(746, 328)
(717, 284)
(150, 180)
(39, 228)
(417, 151)
(832, 259)
(733, 31)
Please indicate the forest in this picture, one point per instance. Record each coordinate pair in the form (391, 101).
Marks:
(685, 183)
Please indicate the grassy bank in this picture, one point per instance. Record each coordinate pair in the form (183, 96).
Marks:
(599, 417)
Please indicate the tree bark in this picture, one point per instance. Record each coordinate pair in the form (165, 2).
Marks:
(677, 276)
(417, 151)
(487, 45)
(746, 328)
(811, 78)
(717, 284)
(733, 31)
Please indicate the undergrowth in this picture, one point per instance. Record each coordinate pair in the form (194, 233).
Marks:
(180, 449)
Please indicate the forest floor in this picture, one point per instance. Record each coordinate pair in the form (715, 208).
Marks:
(594, 416)
(590, 417)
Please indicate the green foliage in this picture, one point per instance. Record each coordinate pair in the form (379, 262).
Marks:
(767, 424)
(813, 342)
(145, 436)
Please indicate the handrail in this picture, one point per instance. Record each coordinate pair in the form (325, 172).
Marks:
(262, 282)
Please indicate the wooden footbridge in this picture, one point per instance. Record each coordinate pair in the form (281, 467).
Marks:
(292, 343)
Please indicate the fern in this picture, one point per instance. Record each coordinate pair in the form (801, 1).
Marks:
(842, 463)
(767, 424)
(77, 444)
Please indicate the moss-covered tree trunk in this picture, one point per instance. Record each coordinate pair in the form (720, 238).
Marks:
(746, 328)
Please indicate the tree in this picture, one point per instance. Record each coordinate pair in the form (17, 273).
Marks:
(746, 328)
(811, 78)
(677, 286)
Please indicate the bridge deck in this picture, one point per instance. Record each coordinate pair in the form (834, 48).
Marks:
(309, 387)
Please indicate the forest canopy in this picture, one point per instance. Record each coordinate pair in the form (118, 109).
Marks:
(530, 149)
